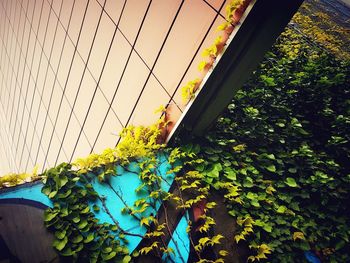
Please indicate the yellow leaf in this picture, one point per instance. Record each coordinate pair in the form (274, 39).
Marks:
(35, 170)
(216, 239)
(161, 109)
(270, 189)
(218, 40)
(144, 221)
(223, 26)
(298, 235)
(262, 250)
(210, 205)
(239, 237)
(223, 253)
(202, 65)
(251, 258)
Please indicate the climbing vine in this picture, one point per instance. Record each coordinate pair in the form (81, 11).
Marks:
(280, 155)
(315, 21)
(140, 144)
(79, 234)
(13, 179)
(233, 13)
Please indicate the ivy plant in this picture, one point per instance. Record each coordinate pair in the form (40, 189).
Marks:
(279, 155)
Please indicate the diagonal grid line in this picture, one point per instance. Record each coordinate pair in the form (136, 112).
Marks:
(155, 62)
(81, 81)
(65, 86)
(99, 79)
(122, 75)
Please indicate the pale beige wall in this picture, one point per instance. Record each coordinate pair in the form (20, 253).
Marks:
(33, 36)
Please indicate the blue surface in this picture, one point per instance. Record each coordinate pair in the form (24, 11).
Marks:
(181, 238)
(30, 192)
(311, 257)
(123, 185)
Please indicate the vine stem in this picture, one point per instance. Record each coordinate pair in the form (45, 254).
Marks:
(137, 218)
(170, 233)
(167, 222)
(189, 234)
(116, 222)
(155, 183)
(183, 205)
(123, 201)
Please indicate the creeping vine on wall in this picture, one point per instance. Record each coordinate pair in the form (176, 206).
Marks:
(80, 236)
(233, 13)
(280, 155)
(13, 179)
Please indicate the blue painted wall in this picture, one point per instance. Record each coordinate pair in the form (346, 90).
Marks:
(123, 185)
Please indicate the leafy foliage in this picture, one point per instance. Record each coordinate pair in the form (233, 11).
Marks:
(280, 155)
(13, 179)
(233, 12)
(137, 142)
(318, 23)
(190, 88)
(78, 234)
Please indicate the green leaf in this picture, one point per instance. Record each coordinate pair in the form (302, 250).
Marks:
(63, 180)
(292, 170)
(126, 259)
(52, 194)
(340, 244)
(48, 216)
(243, 171)
(96, 208)
(213, 174)
(77, 239)
(65, 194)
(60, 234)
(109, 256)
(230, 174)
(107, 250)
(248, 182)
(304, 246)
(321, 175)
(76, 219)
(67, 252)
(114, 228)
(83, 192)
(46, 190)
(291, 182)
(267, 228)
(59, 244)
(281, 209)
(82, 224)
(271, 156)
(251, 195)
(85, 210)
(64, 211)
(255, 203)
(271, 168)
(217, 167)
(89, 238)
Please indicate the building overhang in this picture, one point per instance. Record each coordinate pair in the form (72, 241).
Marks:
(262, 22)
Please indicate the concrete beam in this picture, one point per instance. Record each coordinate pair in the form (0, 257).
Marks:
(262, 23)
